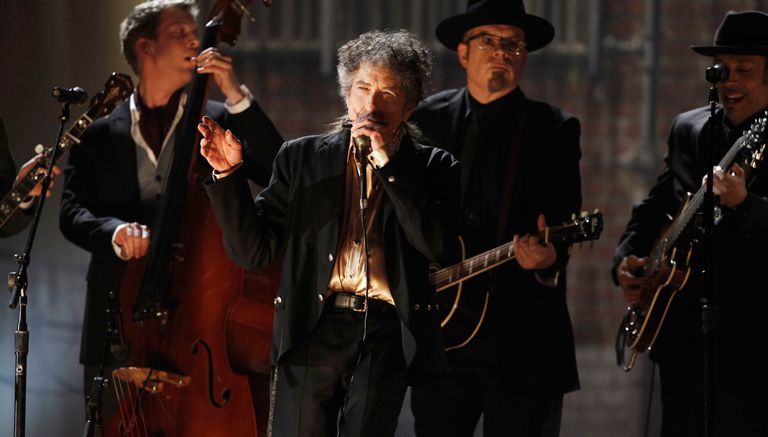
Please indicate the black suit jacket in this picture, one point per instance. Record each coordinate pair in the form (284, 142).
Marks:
(527, 336)
(738, 383)
(301, 212)
(101, 191)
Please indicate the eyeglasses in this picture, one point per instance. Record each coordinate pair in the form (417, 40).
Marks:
(492, 43)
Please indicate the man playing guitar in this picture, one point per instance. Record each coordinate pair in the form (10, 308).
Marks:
(740, 237)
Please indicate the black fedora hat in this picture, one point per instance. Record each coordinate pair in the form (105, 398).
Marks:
(538, 31)
(740, 33)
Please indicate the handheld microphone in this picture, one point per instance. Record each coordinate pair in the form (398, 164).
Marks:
(363, 142)
(74, 95)
(716, 74)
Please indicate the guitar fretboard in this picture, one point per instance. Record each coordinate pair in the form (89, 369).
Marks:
(587, 227)
(117, 87)
(13, 199)
(671, 236)
(472, 266)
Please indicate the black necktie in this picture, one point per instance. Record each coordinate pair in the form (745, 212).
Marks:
(469, 151)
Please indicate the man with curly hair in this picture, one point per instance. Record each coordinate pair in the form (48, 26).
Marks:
(355, 319)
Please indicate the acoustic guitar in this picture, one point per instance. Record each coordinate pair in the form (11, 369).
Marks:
(462, 311)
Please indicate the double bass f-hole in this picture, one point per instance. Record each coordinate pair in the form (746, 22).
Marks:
(226, 393)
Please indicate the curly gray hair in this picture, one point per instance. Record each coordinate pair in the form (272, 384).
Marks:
(400, 51)
(143, 22)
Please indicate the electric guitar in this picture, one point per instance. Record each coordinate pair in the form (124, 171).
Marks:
(116, 89)
(668, 267)
(462, 311)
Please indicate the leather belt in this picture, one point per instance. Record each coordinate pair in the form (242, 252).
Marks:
(355, 302)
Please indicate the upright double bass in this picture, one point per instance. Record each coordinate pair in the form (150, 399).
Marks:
(194, 328)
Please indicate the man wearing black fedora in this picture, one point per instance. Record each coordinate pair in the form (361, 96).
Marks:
(739, 386)
(517, 366)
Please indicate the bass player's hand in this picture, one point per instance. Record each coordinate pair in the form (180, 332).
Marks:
(132, 240)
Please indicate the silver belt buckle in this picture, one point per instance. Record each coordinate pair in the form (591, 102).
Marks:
(365, 303)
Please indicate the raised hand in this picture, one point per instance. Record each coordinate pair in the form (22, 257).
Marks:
(221, 148)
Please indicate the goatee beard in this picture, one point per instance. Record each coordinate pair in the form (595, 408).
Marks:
(498, 82)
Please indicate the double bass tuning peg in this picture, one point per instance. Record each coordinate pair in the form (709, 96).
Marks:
(242, 9)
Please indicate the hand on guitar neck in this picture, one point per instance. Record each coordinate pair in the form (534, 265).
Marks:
(531, 253)
(462, 313)
(37, 164)
(730, 186)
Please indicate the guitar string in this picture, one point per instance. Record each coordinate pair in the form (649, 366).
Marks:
(494, 256)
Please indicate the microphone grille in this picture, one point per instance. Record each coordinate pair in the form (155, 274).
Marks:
(363, 141)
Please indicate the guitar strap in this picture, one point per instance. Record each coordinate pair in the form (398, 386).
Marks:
(509, 179)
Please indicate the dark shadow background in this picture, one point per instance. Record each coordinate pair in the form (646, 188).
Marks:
(623, 67)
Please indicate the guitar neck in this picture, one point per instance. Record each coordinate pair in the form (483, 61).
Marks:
(587, 227)
(470, 267)
(670, 238)
(21, 189)
(490, 259)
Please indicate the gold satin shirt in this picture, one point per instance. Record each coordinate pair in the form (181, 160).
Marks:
(349, 269)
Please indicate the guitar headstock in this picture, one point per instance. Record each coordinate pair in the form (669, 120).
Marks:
(116, 89)
(754, 141)
(585, 227)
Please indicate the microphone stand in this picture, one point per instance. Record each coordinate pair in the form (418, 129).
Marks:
(93, 423)
(361, 144)
(18, 283)
(709, 310)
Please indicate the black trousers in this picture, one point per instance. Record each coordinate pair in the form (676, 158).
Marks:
(334, 385)
(451, 407)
